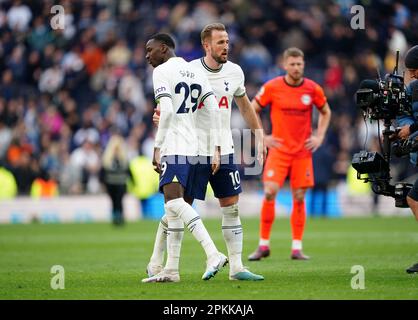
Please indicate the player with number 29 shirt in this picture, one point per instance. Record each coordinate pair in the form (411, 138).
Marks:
(227, 82)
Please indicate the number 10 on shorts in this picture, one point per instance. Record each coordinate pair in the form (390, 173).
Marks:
(235, 179)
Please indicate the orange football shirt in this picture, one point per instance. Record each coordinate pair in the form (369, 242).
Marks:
(291, 111)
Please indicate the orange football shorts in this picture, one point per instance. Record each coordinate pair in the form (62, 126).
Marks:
(280, 165)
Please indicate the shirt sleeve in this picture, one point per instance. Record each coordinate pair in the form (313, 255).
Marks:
(263, 96)
(319, 99)
(166, 114)
(240, 92)
(162, 96)
(161, 85)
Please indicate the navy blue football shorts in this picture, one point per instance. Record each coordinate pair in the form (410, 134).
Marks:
(175, 168)
(225, 183)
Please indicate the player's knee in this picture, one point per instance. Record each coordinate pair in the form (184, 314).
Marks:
(228, 201)
(299, 195)
(173, 207)
(188, 199)
(230, 211)
(270, 193)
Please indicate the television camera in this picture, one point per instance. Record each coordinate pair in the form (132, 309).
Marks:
(385, 99)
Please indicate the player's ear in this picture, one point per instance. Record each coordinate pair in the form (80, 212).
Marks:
(205, 44)
(164, 48)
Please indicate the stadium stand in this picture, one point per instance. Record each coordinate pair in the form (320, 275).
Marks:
(61, 91)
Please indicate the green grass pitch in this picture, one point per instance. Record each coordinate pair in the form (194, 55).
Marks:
(103, 262)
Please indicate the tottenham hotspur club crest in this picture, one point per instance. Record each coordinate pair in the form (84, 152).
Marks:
(226, 85)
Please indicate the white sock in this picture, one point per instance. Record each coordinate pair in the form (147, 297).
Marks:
(160, 244)
(232, 232)
(264, 242)
(296, 244)
(174, 236)
(193, 222)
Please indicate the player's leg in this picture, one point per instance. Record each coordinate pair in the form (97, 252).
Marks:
(173, 191)
(233, 235)
(297, 221)
(301, 178)
(266, 221)
(232, 231)
(160, 244)
(226, 185)
(156, 262)
(274, 175)
(189, 217)
(178, 213)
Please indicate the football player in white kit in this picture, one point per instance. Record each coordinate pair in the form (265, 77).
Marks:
(179, 88)
(227, 81)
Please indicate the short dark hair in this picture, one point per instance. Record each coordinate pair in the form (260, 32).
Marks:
(165, 39)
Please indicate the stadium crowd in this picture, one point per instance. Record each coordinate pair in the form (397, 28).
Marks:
(63, 92)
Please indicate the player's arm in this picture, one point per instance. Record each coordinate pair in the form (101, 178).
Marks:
(256, 104)
(164, 100)
(249, 114)
(315, 141)
(166, 114)
(253, 121)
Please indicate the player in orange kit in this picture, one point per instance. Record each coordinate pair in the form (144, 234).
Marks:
(291, 144)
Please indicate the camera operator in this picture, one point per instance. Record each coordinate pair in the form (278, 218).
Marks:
(409, 129)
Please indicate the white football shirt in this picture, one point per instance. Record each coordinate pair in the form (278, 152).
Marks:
(227, 82)
(179, 88)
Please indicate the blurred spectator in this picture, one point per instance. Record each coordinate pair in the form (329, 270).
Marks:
(95, 76)
(5, 138)
(51, 79)
(143, 182)
(93, 57)
(322, 159)
(40, 36)
(85, 161)
(114, 175)
(119, 55)
(19, 16)
(25, 171)
(44, 187)
(8, 188)
(51, 121)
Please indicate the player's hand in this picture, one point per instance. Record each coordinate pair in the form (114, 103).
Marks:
(156, 160)
(272, 142)
(216, 160)
(261, 152)
(156, 115)
(313, 143)
(404, 133)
